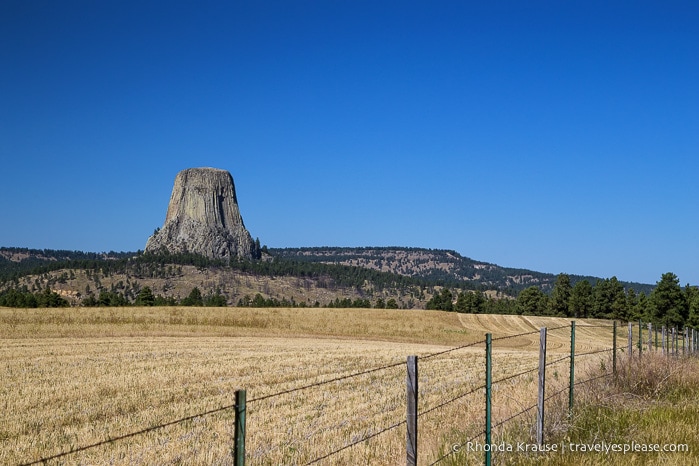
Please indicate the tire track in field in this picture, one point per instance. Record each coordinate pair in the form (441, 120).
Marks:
(591, 335)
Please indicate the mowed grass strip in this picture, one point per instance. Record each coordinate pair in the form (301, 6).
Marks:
(417, 326)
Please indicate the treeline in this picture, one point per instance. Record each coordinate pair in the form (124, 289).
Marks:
(341, 303)
(25, 298)
(667, 304)
(146, 297)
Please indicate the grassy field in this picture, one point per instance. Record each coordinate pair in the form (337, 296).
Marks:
(75, 377)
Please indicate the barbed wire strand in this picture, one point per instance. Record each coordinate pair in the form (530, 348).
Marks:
(325, 382)
(595, 326)
(452, 349)
(125, 436)
(363, 439)
(605, 350)
(557, 328)
(516, 335)
(556, 361)
(451, 400)
(608, 374)
(513, 416)
(504, 379)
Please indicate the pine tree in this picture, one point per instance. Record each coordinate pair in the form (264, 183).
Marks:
(668, 303)
(559, 303)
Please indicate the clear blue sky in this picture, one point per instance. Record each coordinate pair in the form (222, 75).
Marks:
(556, 136)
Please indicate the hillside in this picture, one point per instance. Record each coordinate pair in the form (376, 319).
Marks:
(341, 277)
(438, 265)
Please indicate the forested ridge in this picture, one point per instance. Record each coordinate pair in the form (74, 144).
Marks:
(335, 277)
(439, 266)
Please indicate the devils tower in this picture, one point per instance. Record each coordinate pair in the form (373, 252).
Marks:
(203, 218)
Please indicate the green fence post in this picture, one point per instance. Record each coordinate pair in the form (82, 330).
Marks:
(488, 394)
(411, 416)
(656, 338)
(572, 369)
(239, 440)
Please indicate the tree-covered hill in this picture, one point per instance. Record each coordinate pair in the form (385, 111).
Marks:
(445, 267)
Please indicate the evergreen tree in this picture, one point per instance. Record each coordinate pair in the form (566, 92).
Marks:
(194, 298)
(443, 301)
(581, 299)
(632, 305)
(216, 300)
(470, 302)
(609, 300)
(532, 301)
(668, 303)
(145, 297)
(559, 303)
(692, 294)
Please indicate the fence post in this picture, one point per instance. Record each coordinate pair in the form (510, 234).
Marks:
(656, 338)
(542, 388)
(674, 341)
(239, 435)
(630, 339)
(614, 351)
(691, 341)
(411, 418)
(488, 394)
(650, 337)
(664, 331)
(572, 369)
(640, 338)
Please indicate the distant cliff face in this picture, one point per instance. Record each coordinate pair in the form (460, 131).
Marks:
(203, 218)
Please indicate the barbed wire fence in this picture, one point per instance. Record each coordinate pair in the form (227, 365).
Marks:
(447, 400)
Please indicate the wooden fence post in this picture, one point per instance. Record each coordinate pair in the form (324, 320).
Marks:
(640, 338)
(650, 337)
(411, 417)
(239, 435)
(664, 331)
(542, 388)
(572, 370)
(614, 351)
(674, 341)
(488, 395)
(630, 339)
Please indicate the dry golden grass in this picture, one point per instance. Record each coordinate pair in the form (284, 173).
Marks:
(74, 377)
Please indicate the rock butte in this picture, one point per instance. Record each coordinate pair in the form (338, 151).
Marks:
(203, 218)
